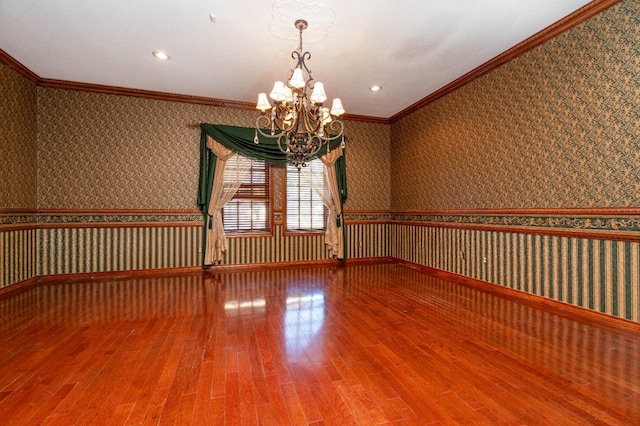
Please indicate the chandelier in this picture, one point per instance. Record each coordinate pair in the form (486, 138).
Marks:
(299, 123)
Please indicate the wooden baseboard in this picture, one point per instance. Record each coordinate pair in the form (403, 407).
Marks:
(22, 286)
(562, 309)
(17, 288)
(137, 273)
(297, 265)
(25, 285)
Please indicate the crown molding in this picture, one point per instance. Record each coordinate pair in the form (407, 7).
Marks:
(10, 62)
(364, 118)
(139, 93)
(172, 97)
(532, 42)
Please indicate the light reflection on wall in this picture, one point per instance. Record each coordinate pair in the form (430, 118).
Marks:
(303, 321)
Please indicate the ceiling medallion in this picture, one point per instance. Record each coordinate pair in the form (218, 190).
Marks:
(285, 12)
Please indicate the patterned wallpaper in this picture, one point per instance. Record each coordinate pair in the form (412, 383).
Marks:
(18, 111)
(113, 152)
(368, 174)
(556, 127)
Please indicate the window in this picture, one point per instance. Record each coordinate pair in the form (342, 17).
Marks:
(305, 210)
(249, 209)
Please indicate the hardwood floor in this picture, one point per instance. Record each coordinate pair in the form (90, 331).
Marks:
(365, 344)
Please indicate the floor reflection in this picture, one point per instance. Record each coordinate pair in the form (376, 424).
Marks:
(254, 306)
(402, 334)
(303, 320)
(79, 304)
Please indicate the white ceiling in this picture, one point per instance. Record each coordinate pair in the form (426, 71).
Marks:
(410, 47)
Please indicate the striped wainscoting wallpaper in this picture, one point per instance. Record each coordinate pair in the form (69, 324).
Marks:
(363, 240)
(366, 240)
(601, 275)
(73, 250)
(18, 255)
(106, 249)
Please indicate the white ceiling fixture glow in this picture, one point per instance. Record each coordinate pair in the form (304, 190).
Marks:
(375, 88)
(160, 54)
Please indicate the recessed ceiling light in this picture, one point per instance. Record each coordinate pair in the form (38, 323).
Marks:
(164, 56)
(375, 88)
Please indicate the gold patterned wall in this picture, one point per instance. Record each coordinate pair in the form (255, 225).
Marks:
(18, 141)
(114, 152)
(557, 127)
(105, 151)
(18, 177)
(367, 154)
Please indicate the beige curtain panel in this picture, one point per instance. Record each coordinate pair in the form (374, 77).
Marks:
(333, 239)
(231, 169)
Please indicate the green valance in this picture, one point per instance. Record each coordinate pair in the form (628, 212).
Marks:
(241, 140)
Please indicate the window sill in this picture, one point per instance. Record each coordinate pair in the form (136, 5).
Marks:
(241, 234)
(299, 232)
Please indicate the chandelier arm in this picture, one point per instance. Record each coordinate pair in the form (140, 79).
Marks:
(266, 135)
(338, 127)
(280, 124)
(310, 84)
(263, 122)
(317, 143)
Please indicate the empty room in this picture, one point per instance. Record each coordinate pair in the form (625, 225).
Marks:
(294, 212)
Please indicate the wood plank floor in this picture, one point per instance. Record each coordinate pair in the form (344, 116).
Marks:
(355, 345)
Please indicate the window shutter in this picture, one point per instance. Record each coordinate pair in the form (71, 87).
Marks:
(249, 209)
(305, 210)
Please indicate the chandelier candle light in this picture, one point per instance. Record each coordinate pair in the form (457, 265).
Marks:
(299, 123)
